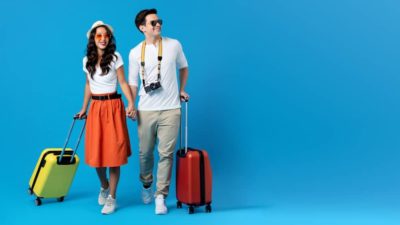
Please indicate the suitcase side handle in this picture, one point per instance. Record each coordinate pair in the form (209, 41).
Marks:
(69, 135)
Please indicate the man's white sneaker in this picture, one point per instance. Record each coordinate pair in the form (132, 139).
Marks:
(103, 195)
(161, 208)
(147, 195)
(110, 206)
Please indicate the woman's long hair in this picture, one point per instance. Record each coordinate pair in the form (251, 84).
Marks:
(92, 56)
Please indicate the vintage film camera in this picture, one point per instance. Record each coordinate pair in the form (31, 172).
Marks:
(152, 86)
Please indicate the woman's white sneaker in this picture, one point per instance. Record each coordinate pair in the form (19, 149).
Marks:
(103, 195)
(110, 206)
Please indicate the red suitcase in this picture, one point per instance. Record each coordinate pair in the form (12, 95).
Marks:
(193, 176)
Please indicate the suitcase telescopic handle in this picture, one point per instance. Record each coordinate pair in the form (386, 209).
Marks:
(186, 127)
(69, 135)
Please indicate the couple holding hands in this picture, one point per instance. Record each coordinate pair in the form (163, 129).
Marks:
(153, 63)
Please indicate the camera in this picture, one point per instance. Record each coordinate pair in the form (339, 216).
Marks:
(152, 86)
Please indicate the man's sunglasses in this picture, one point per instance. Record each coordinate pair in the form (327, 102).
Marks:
(154, 22)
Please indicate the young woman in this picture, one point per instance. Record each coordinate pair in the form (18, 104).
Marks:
(107, 141)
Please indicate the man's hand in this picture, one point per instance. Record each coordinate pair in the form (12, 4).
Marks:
(131, 112)
(184, 96)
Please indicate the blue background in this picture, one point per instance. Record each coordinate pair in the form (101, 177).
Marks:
(296, 102)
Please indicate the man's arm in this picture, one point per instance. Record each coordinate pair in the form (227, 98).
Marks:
(183, 76)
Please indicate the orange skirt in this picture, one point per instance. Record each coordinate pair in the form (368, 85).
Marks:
(107, 139)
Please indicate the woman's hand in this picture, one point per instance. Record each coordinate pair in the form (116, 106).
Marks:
(81, 113)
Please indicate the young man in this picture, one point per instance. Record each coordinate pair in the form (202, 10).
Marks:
(154, 63)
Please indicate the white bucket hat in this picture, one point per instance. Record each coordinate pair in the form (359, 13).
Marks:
(97, 24)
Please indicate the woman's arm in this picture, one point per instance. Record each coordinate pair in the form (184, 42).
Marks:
(130, 110)
(86, 99)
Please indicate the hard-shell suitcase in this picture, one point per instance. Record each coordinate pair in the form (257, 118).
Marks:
(55, 170)
(193, 175)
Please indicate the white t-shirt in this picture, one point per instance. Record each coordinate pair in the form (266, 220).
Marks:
(101, 84)
(173, 58)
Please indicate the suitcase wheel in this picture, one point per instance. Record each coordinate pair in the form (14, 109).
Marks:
(178, 204)
(30, 191)
(38, 202)
(208, 208)
(191, 209)
(60, 199)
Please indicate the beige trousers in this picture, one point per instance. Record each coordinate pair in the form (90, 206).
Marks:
(162, 127)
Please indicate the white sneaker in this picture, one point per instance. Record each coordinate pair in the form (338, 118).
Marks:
(147, 195)
(110, 206)
(161, 208)
(103, 195)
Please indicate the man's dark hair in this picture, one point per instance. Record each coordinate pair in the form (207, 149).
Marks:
(141, 17)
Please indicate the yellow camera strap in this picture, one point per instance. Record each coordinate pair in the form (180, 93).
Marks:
(142, 63)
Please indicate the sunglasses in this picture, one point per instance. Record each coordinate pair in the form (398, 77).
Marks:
(154, 22)
(99, 36)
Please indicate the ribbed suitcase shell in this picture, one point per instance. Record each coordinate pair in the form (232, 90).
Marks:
(188, 178)
(51, 179)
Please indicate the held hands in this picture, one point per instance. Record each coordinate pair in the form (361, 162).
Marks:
(131, 112)
(184, 96)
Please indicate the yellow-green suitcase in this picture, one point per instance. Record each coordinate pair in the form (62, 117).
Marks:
(55, 170)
